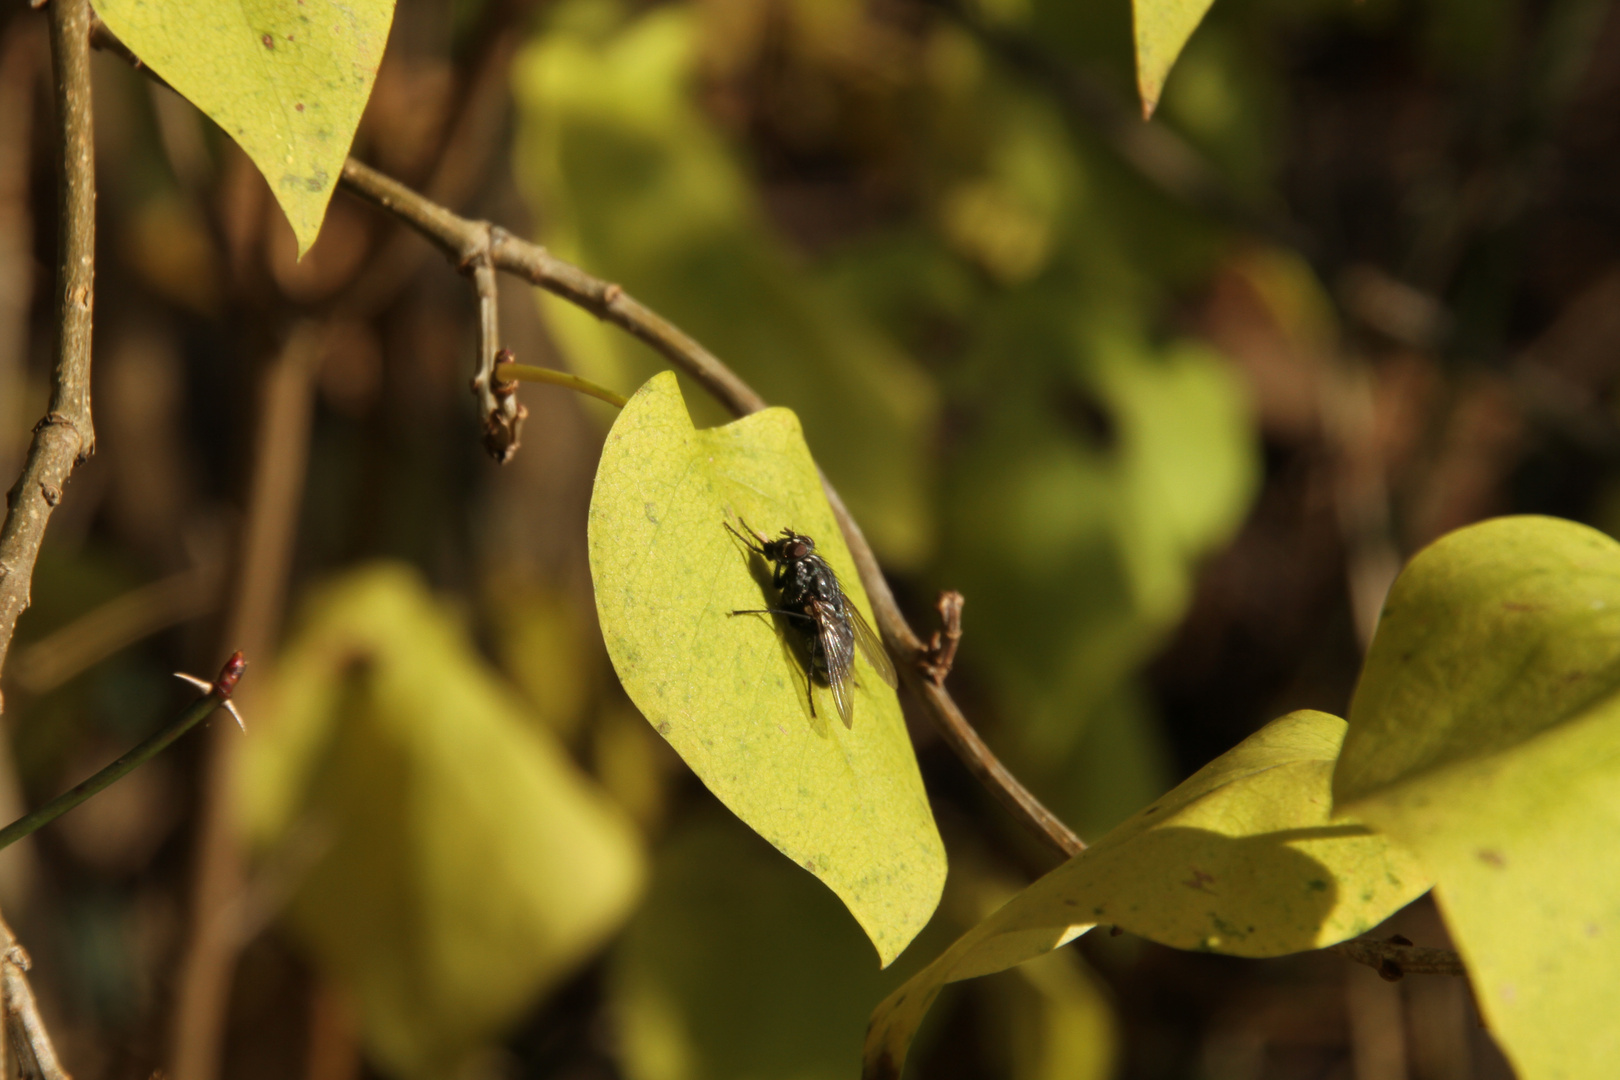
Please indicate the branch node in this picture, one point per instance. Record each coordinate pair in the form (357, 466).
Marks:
(940, 652)
(18, 956)
(611, 294)
(54, 419)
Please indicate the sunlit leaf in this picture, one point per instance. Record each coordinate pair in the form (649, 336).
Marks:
(1485, 736)
(1241, 858)
(632, 180)
(729, 693)
(463, 864)
(287, 81)
(1162, 29)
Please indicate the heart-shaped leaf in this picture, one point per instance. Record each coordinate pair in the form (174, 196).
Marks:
(729, 692)
(1485, 736)
(287, 79)
(1241, 858)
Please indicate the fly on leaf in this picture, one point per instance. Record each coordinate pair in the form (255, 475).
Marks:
(814, 601)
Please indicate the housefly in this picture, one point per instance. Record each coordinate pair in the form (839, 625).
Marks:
(814, 601)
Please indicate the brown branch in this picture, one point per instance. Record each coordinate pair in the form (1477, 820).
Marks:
(61, 440)
(64, 437)
(1397, 957)
(458, 236)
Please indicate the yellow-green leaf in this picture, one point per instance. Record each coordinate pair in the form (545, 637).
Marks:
(288, 81)
(729, 692)
(464, 864)
(1241, 858)
(1485, 736)
(1162, 30)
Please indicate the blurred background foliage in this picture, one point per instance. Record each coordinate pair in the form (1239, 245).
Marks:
(1168, 402)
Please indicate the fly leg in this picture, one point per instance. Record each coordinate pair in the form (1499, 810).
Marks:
(774, 611)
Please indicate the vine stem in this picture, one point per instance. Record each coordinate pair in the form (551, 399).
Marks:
(509, 372)
(64, 437)
(218, 695)
(456, 236)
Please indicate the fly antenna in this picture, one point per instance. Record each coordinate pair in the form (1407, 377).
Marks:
(754, 544)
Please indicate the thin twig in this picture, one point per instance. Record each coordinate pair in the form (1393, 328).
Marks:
(457, 236)
(510, 372)
(498, 405)
(64, 437)
(937, 659)
(218, 694)
(1398, 957)
(22, 1019)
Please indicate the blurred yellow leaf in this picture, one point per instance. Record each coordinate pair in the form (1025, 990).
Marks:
(1054, 1018)
(1485, 736)
(1241, 858)
(737, 968)
(1078, 507)
(729, 693)
(468, 864)
(633, 182)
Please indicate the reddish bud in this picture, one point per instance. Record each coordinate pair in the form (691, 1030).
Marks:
(229, 675)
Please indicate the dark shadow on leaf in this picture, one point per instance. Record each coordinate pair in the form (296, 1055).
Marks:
(1247, 896)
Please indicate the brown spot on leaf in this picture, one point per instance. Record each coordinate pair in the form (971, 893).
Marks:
(1492, 857)
(1200, 881)
(268, 42)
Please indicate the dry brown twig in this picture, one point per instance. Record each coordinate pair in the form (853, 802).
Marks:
(64, 437)
(498, 405)
(937, 659)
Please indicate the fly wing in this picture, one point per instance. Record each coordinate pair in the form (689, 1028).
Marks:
(838, 647)
(872, 647)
